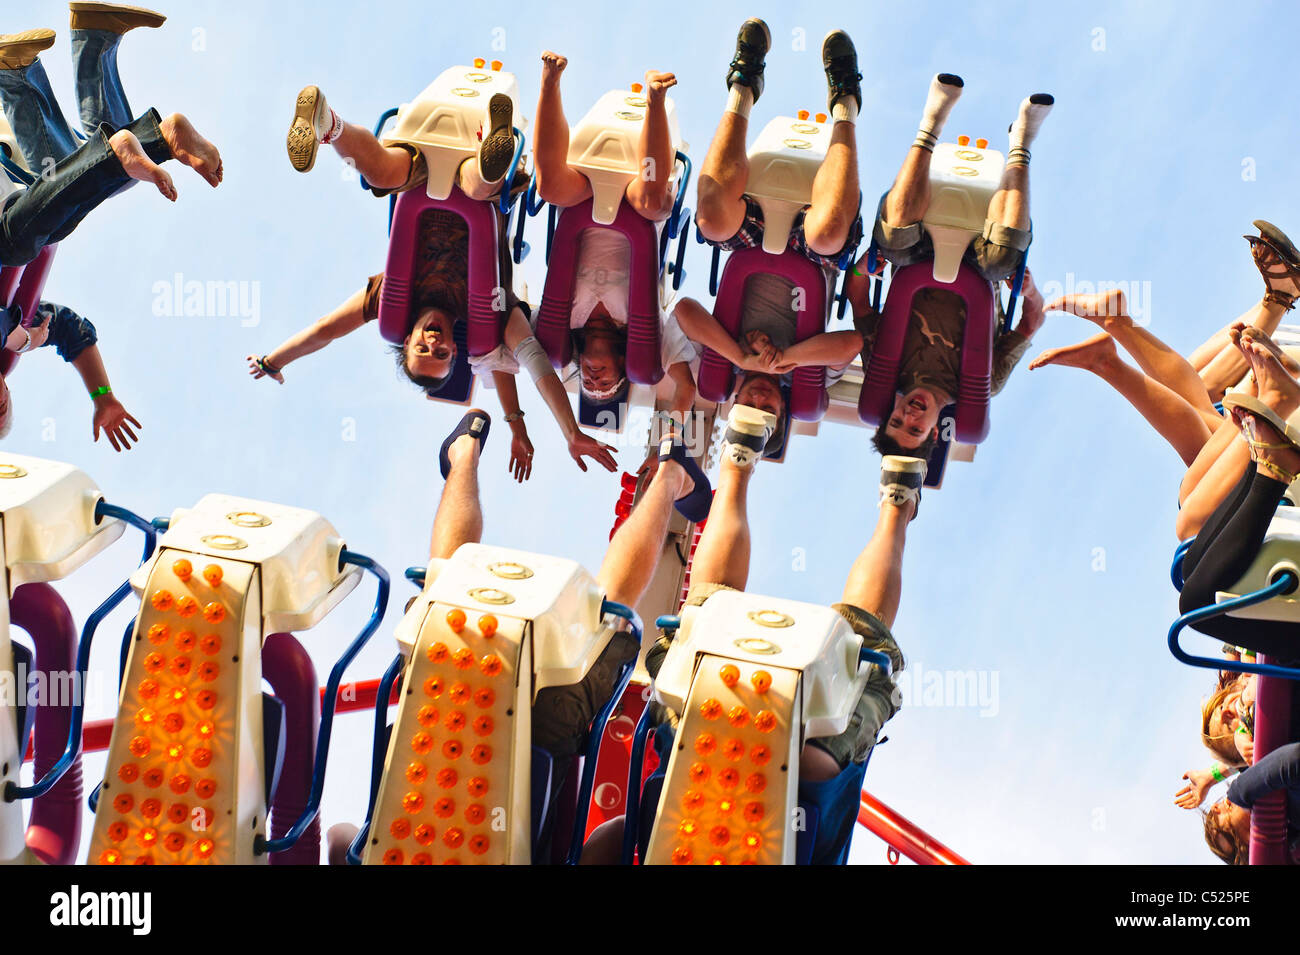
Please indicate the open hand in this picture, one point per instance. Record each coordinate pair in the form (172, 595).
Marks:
(1193, 794)
(115, 421)
(521, 457)
(584, 445)
(256, 371)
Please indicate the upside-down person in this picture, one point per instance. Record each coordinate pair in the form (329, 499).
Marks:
(931, 360)
(598, 321)
(74, 338)
(730, 218)
(1176, 395)
(428, 355)
(562, 715)
(869, 604)
(73, 177)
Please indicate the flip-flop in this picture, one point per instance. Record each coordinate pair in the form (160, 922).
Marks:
(476, 424)
(1237, 399)
(695, 505)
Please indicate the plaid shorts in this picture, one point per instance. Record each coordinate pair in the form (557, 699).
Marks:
(750, 235)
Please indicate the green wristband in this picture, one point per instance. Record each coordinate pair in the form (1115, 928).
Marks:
(101, 390)
(1218, 776)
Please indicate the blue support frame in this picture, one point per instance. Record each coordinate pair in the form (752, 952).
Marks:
(1285, 583)
(73, 748)
(378, 749)
(267, 846)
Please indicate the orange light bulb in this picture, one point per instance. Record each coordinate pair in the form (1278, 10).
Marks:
(413, 802)
(214, 612)
(187, 606)
(425, 834)
(204, 848)
(710, 709)
(463, 659)
(213, 574)
(399, 828)
(183, 569)
(162, 600)
(730, 675)
(487, 625)
(456, 620)
(762, 681)
(159, 633)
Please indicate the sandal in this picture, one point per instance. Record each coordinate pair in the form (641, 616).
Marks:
(695, 505)
(476, 424)
(1290, 436)
(1274, 240)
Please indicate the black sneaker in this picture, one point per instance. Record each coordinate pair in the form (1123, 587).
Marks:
(497, 150)
(752, 43)
(840, 60)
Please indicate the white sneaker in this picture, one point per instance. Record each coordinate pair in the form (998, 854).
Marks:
(747, 434)
(311, 121)
(901, 480)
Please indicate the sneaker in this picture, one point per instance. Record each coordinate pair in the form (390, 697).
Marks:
(497, 150)
(752, 43)
(20, 50)
(311, 121)
(748, 431)
(901, 479)
(840, 60)
(112, 17)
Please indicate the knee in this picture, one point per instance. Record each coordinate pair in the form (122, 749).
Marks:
(826, 234)
(710, 216)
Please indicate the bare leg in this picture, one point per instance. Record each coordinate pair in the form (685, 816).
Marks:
(1213, 475)
(1177, 421)
(1109, 311)
(460, 516)
(1229, 365)
(875, 581)
(722, 556)
(649, 193)
(835, 194)
(385, 167)
(1265, 316)
(633, 554)
(723, 179)
(909, 196)
(471, 182)
(557, 182)
(1010, 204)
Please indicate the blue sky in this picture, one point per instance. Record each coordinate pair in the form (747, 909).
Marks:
(1044, 563)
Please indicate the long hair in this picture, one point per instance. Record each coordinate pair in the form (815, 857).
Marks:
(1223, 745)
(1223, 841)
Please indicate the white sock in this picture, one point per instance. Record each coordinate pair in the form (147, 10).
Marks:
(1033, 111)
(335, 128)
(740, 100)
(845, 110)
(945, 90)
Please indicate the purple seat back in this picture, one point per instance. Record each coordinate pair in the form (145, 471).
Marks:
(552, 329)
(21, 287)
(397, 301)
(1268, 825)
(880, 379)
(717, 377)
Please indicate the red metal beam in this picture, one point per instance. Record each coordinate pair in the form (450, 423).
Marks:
(904, 836)
(96, 735)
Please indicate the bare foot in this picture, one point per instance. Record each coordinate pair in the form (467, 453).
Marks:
(658, 84)
(1251, 333)
(1095, 307)
(552, 66)
(1277, 388)
(137, 165)
(193, 150)
(1093, 355)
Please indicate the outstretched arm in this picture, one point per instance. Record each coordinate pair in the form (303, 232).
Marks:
(832, 349)
(702, 328)
(348, 317)
(518, 333)
(109, 416)
(521, 448)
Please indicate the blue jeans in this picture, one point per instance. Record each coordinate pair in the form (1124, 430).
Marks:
(72, 177)
(42, 132)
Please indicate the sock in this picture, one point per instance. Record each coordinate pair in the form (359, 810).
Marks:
(740, 99)
(1022, 132)
(945, 90)
(845, 110)
(335, 128)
